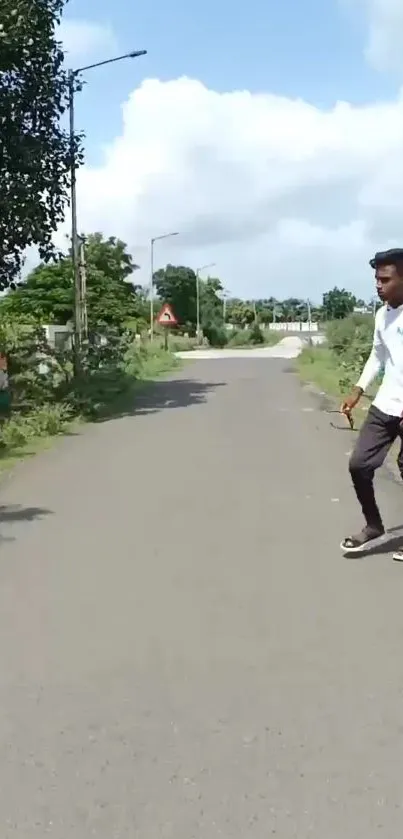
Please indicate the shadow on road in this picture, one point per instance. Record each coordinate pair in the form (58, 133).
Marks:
(15, 512)
(12, 513)
(168, 393)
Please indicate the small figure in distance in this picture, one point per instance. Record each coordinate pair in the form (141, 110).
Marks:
(383, 424)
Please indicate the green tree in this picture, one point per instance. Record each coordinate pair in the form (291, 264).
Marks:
(176, 285)
(240, 313)
(47, 293)
(338, 303)
(211, 302)
(35, 152)
(293, 309)
(265, 309)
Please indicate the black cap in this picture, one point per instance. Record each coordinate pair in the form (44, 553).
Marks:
(390, 257)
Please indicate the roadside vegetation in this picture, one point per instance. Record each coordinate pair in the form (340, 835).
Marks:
(44, 399)
(40, 396)
(336, 366)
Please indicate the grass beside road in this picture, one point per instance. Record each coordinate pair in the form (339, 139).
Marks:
(25, 435)
(318, 366)
(322, 367)
(334, 368)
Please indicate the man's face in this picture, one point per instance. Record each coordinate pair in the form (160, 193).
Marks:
(389, 284)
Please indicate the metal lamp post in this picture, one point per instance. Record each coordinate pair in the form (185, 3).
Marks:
(79, 303)
(198, 272)
(309, 312)
(152, 243)
(224, 296)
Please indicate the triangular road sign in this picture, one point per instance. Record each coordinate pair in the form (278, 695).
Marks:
(166, 316)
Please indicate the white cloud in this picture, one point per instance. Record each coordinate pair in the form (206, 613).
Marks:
(385, 20)
(85, 39)
(284, 197)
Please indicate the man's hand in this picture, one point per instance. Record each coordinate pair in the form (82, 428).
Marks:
(351, 401)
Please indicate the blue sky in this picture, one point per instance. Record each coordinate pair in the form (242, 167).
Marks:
(312, 49)
(239, 143)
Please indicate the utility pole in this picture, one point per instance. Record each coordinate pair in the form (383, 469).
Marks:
(152, 243)
(308, 303)
(198, 272)
(198, 305)
(74, 238)
(83, 289)
(77, 287)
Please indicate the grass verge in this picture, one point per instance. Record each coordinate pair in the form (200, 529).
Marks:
(110, 395)
(319, 366)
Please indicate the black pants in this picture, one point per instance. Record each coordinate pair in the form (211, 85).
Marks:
(376, 437)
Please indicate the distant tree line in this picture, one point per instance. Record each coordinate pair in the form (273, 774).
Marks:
(114, 298)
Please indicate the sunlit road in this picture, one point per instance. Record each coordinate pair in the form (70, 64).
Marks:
(185, 653)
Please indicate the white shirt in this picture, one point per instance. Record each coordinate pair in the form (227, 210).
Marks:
(386, 354)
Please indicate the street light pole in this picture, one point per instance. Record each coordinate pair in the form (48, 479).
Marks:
(74, 237)
(152, 243)
(198, 272)
(225, 295)
(79, 303)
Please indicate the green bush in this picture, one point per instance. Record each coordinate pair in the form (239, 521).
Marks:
(350, 340)
(44, 394)
(46, 421)
(336, 367)
(238, 337)
(355, 330)
(256, 335)
(216, 335)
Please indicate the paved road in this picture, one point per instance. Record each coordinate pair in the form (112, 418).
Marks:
(184, 651)
(288, 347)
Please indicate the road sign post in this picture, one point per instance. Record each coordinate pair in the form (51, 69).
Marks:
(166, 318)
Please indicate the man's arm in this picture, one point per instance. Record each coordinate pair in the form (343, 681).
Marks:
(374, 363)
(373, 366)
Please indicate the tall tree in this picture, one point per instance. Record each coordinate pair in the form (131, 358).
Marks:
(35, 152)
(338, 303)
(211, 302)
(176, 285)
(47, 293)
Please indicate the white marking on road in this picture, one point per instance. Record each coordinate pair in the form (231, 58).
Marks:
(334, 500)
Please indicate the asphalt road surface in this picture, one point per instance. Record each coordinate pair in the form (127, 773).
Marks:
(184, 651)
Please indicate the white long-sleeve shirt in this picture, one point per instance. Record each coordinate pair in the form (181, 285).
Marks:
(386, 354)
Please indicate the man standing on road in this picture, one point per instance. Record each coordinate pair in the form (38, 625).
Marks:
(384, 423)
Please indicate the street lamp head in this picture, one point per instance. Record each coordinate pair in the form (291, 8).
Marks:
(204, 267)
(133, 54)
(163, 236)
(137, 53)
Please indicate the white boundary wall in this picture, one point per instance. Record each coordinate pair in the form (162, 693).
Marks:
(294, 326)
